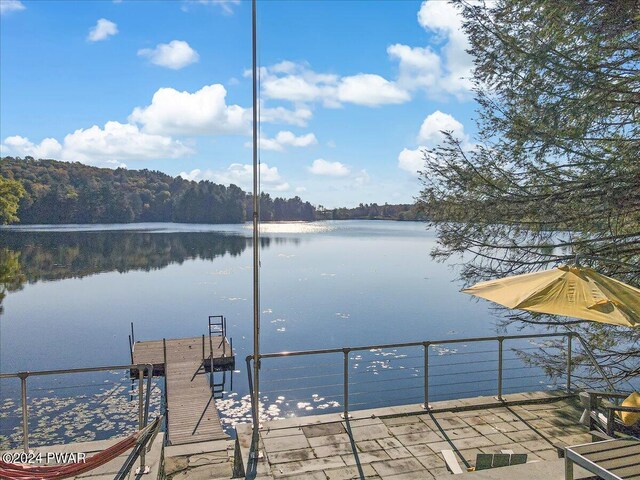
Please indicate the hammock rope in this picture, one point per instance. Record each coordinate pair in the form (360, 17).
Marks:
(13, 471)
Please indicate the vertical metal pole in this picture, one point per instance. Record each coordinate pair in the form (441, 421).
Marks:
(203, 348)
(250, 379)
(147, 396)
(500, 340)
(25, 411)
(256, 219)
(426, 376)
(569, 363)
(345, 391)
(140, 398)
(166, 386)
(133, 337)
(211, 362)
(141, 410)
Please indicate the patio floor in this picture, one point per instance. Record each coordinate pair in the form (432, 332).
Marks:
(406, 442)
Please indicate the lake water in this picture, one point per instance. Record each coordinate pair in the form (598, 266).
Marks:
(75, 289)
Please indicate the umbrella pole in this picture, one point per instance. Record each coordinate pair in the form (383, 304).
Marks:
(592, 357)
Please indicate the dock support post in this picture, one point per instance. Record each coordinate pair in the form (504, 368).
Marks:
(25, 410)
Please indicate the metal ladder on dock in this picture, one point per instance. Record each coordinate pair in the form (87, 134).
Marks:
(218, 327)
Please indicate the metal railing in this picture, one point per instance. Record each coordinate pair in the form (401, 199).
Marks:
(144, 395)
(426, 345)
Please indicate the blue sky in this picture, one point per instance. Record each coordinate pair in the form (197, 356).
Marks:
(350, 90)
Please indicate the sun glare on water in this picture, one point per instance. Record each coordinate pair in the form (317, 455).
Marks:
(291, 227)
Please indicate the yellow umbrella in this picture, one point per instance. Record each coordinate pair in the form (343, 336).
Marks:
(572, 291)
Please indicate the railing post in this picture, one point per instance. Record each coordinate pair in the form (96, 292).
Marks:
(345, 391)
(426, 376)
(254, 414)
(203, 349)
(569, 363)
(140, 398)
(25, 410)
(141, 422)
(166, 387)
(500, 342)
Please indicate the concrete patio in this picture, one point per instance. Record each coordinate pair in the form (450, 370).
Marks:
(406, 442)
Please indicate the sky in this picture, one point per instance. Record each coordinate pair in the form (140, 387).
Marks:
(350, 91)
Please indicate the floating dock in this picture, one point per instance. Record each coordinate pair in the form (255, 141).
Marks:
(192, 415)
(218, 353)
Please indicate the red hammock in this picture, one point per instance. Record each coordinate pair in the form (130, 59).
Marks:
(14, 471)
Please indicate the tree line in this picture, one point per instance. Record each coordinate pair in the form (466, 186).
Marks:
(373, 211)
(54, 192)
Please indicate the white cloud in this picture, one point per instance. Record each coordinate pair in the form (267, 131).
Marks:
(297, 83)
(225, 5)
(7, 6)
(284, 139)
(438, 73)
(194, 175)
(106, 146)
(431, 135)
(412, 160)
(176, 54)
(204, 112)
(418, 67)
(370, 90)
(119, 141)
(242, 176)
(22, 146)
(445, 20)
(299, 117)
(441, 17)
(361, 179)
(434, 124)
(103, 29)
(304, 87)
(331, 169)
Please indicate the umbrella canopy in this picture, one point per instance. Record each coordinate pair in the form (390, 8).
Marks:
(572, 291)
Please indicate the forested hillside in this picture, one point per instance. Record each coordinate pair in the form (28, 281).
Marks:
(373, 211)
(63, 192)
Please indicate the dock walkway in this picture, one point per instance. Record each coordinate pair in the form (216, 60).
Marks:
(192, 413)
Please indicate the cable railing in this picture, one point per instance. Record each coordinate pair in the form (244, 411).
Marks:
(143, 391)
(415, 372)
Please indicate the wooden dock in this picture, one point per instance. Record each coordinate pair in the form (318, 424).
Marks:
(192, 413)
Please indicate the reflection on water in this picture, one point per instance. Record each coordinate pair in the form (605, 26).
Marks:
(70, 293)
(28, 256)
